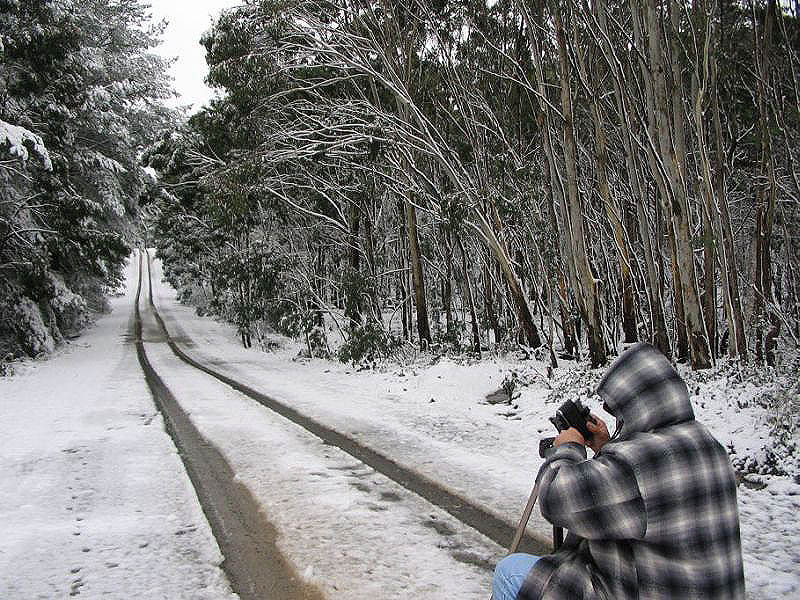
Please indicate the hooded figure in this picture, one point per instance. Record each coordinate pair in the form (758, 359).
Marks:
(653, 515)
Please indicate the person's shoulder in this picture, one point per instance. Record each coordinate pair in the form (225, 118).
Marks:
(662, 441)
(675, 442)
(693, 433)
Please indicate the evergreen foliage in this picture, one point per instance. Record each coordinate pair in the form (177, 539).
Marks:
(80, 88)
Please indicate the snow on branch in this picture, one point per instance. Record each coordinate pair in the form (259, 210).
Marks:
(20, 140)
(93, 158)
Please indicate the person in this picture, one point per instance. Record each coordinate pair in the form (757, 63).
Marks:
(652, 515)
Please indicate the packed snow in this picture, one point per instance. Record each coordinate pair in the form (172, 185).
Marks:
(94, 499)
(97, 502)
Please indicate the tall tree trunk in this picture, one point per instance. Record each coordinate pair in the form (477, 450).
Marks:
(473, 315)
(319, 286)
(423, 327)
(488, 301)
(587, 292)
(709, 295)
(369, 249)
(677, 205)
(682, 345)
(729, 269)
(700, 82)
(764, 313)
(793, 297)
(402, 277)
(353, 310)
(447, 286)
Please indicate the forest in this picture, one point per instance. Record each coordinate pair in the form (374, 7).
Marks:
(374, 178)
(81, 95)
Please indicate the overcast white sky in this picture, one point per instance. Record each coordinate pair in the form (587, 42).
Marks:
(188, 19)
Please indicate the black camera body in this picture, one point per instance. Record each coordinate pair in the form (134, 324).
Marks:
(569, 414)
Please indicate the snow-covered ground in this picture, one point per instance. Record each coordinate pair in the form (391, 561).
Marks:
(435, 419)
(94, 500)
(86, 414)
(348, 530)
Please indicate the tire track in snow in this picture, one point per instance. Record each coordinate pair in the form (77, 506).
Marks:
(472, 515)
(254, 565)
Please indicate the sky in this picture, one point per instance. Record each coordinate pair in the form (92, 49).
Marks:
(188, 20)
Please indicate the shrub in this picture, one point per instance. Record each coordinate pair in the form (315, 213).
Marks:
(367, 343)
(318, 342)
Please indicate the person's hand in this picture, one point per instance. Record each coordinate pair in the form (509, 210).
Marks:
(599, 433)
(569, 435)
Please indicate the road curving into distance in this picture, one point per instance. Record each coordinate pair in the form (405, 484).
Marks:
(213, 479)
(255, 567)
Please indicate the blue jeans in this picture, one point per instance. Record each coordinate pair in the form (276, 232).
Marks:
(509, 575)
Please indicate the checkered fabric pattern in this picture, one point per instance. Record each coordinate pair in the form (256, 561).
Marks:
(654, 514)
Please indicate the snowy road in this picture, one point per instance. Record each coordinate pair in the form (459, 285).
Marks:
(98, 504)
(349, 529)
(94, 499)
(253, 563)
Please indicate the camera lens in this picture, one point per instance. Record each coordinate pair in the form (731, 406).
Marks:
(559, 421)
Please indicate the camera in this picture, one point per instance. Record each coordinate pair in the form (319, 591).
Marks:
(569, 414)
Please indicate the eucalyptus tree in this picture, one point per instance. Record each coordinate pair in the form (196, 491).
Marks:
(345, 41)
(557, 158)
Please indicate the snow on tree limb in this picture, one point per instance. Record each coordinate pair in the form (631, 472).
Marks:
(20, 140)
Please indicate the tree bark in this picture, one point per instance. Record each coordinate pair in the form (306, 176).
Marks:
(488, 302)
(587, 292)
(473, 315)
(676, 205)
(423, 326)
(369, 249)
(447, 287)
(727, 255)
(319, 279)
(764, 314)
(353, 305)
(402, 277)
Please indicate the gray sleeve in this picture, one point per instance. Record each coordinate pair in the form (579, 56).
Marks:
(594, 499)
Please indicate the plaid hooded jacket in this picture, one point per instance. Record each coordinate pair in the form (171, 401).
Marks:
(654, 514)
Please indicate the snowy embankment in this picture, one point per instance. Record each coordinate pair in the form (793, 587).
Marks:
(94, 499)
(435, 419)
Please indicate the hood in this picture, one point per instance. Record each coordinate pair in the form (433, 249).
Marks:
(643, 390)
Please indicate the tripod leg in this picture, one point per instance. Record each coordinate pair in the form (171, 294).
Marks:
(523, 522)
(558, 537)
